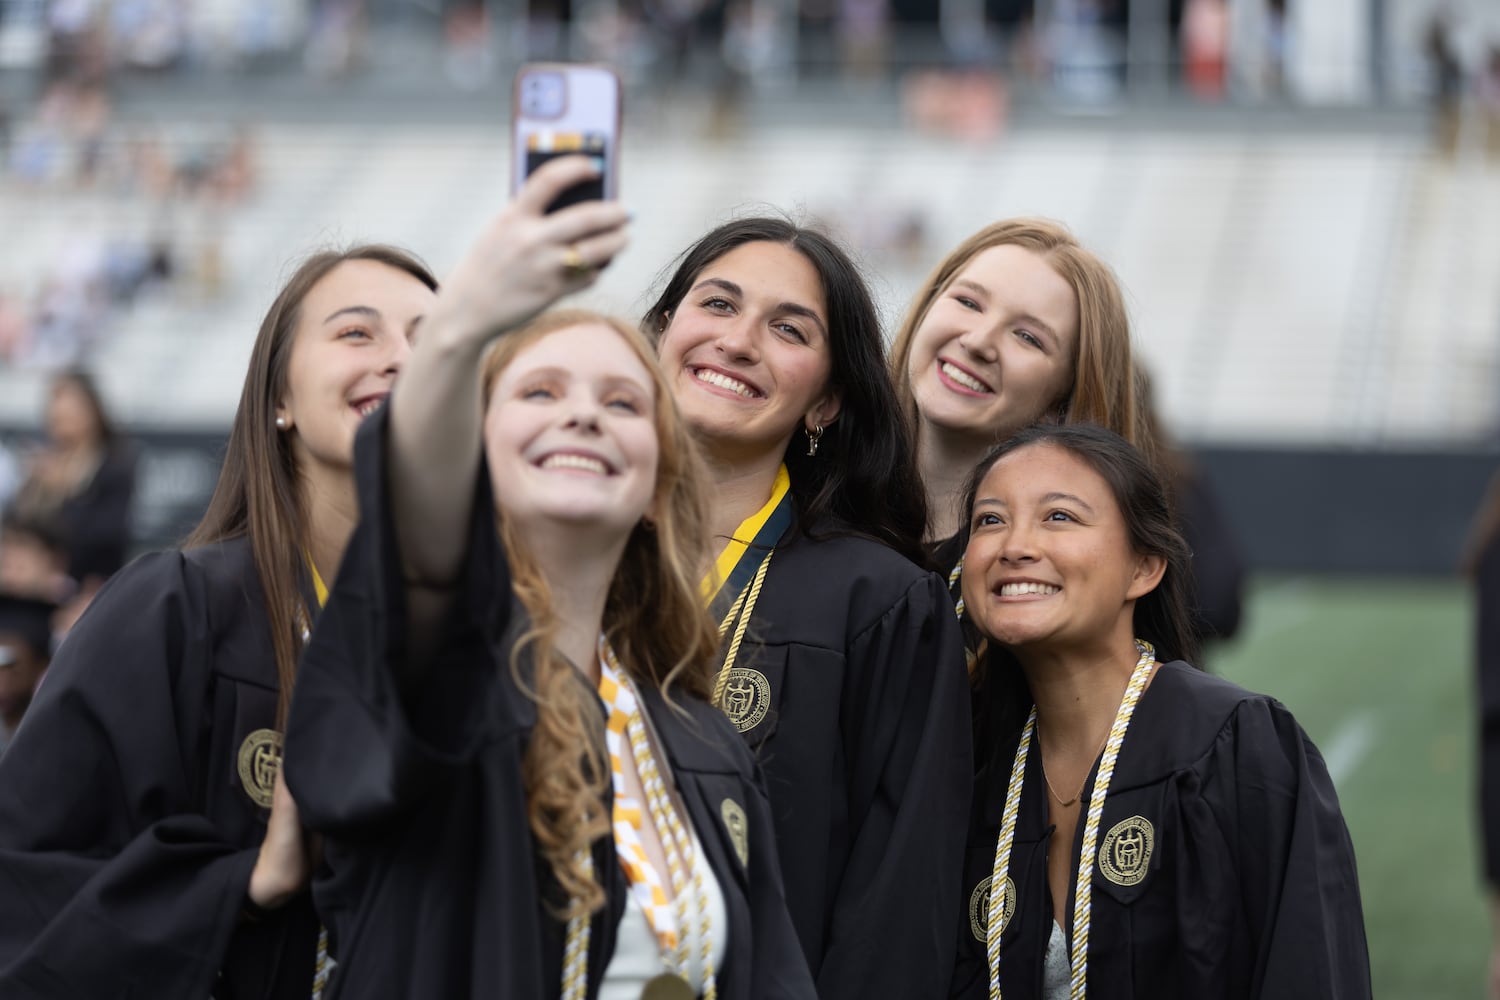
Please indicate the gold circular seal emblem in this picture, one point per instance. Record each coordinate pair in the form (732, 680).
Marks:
(747, 697)
(1125, 854)
(739, 829)
(260, 759)
(979, 907)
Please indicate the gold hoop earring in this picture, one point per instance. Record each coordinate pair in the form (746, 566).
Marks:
(814, 435)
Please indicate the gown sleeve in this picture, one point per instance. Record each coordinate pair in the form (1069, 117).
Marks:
(780, 968)
(1487, 587)
(362, 746)
(908, 743)
(1297, 872)
(112, 882)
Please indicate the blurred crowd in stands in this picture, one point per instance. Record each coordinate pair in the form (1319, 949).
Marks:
(144, 207)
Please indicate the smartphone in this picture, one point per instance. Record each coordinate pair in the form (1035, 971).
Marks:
(561, 109)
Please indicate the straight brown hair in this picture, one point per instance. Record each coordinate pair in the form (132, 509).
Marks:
(257, 494)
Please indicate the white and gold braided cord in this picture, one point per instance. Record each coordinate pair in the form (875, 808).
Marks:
(1083, 892)
(1083, 888)
(958, 571)
(575, 966)
(677, 845)
(993, 921)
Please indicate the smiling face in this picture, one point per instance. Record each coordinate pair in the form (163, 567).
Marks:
(997, 347)
(354, 332)
(747, 353)
(1049, 564)
(570, 432)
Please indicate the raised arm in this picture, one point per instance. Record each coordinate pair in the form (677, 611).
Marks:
(523, 261)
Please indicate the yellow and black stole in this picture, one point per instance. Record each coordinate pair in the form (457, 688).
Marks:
(731, 591)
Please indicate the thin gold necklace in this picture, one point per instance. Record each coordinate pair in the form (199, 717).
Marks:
(1065, 803)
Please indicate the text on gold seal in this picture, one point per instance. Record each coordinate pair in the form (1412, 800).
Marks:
(259, 760)
(1125, 855)
(747, 697)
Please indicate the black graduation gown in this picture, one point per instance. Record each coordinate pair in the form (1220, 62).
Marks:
(1487, 640)
(860, 720)
(433, 885)
(127, 835)
(1231, 874)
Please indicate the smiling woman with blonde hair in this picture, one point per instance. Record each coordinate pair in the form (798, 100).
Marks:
(1019, 324)
(502, 724)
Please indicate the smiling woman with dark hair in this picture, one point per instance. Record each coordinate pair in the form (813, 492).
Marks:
(842, 662)
(1140, 829)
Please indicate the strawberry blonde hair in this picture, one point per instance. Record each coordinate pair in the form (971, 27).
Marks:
(1102, 389)
(654, 620)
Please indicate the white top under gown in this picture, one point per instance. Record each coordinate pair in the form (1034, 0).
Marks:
(637, 958)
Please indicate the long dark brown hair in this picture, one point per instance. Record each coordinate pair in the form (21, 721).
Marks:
(1163, 616)
(257, 494)
(654, 620)
(864, 473)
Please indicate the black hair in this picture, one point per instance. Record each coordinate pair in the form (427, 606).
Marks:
(1163, 617)
(864, 474)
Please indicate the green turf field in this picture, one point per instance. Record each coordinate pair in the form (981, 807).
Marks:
(1380, 674)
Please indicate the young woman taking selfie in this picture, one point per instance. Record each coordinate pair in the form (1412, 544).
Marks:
(502, 723)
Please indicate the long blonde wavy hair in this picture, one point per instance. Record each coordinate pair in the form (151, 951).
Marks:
(654, 619)
(1102, 389)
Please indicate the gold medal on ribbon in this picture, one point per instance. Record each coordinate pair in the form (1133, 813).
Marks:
(668, 986)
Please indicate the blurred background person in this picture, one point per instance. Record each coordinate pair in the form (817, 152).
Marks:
(25, 651)
(1217, 562)
(33, 559)
(1482, 563)
(82, 480)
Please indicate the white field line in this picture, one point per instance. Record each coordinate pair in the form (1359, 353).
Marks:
(1349, 746)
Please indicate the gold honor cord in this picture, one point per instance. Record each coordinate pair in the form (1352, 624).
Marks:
(1083, 888)
(994, 921)
(575, 967)
(958, 571)
(741, 610)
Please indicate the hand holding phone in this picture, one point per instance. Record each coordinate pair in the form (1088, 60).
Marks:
(562, 109)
